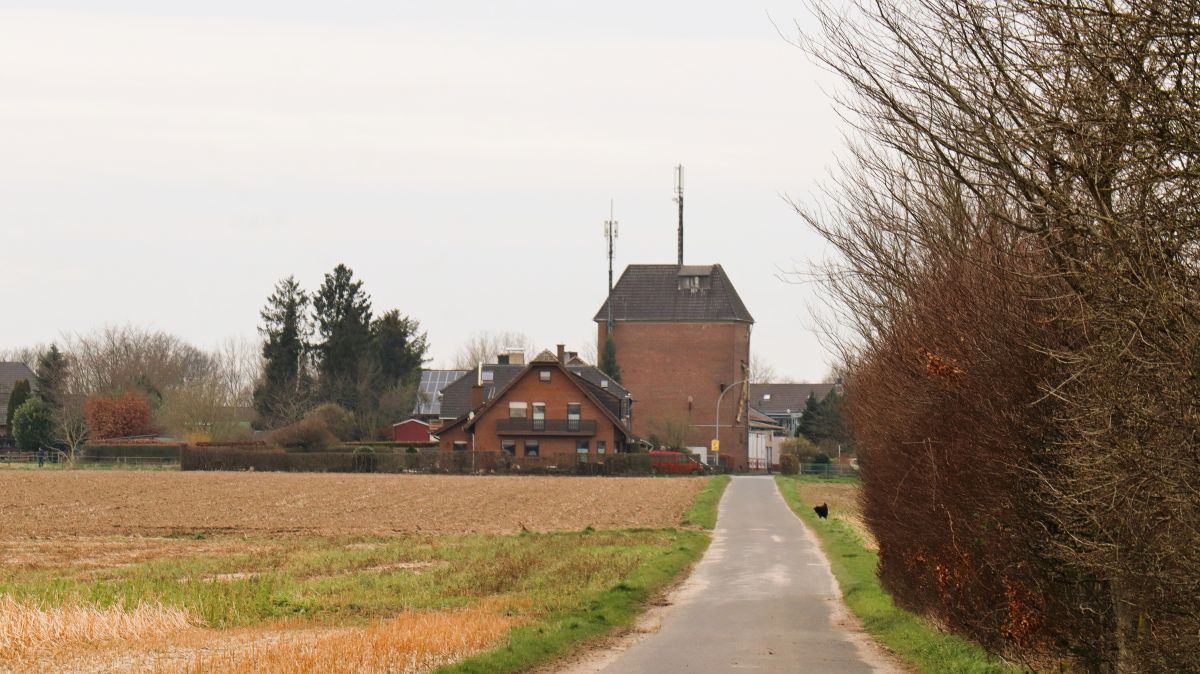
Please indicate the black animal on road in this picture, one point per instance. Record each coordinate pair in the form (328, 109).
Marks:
(822, 510)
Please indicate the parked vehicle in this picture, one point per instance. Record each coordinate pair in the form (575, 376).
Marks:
(676, 463)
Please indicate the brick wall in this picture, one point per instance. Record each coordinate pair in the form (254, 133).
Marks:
(675, 372)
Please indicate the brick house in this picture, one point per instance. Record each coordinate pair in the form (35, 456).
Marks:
(683, 336)
(545, 409)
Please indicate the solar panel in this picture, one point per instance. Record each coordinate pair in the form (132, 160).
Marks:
(432, 383)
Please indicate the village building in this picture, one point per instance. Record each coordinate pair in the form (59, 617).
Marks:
(544, 409)
(784, 403)
(682, 337)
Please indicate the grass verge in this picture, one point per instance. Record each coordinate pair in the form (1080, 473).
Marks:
(602, 612)
(912, 638)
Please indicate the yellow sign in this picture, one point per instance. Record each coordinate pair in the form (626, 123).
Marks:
(716, 445)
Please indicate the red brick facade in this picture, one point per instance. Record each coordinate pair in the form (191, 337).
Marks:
(495, 424)
(676, 370)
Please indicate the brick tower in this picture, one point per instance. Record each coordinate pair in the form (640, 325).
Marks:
(682, 336)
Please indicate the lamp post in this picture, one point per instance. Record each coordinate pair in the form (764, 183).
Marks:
(717, 432)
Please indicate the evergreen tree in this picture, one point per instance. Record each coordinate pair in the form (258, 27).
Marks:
(285, 332)
(400, 348)
(608, 359)
(343, 318)
(809, 418)
(52, 376)
(33, 424)
(20, 393)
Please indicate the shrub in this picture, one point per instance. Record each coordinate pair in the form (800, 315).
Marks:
(789, 464)
(146, 450)
(310, 434)
(337, 419)
(33, 424)
(117, 416)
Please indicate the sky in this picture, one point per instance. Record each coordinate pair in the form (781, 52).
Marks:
(164, 166)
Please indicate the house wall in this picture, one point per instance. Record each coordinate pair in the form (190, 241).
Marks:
(555, 394)
(675, 371)
(410, 431)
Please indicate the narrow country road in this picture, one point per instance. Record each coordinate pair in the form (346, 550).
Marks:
(762, 599)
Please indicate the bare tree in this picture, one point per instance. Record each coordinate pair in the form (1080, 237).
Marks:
(761, 372)
(483, 347)
(1029, 168)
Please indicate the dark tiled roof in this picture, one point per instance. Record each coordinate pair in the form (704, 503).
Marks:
(456, 397)
(784, 397)
(650, 292)
(10, 374)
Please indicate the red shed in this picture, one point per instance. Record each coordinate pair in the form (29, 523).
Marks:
(411, 430)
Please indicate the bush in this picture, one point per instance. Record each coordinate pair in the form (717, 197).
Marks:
(337, 419)
(122, 451)
(33, 425)
(789, 464)
(802, 448)
(310, 434)
(117, 416)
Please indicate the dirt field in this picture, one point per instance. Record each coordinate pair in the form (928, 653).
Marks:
(74, 503)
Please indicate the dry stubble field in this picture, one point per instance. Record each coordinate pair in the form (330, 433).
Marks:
(239, 572)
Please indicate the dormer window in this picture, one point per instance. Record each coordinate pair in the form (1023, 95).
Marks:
(488, 375)
(766, 396)
(603, 383)
(695, 282)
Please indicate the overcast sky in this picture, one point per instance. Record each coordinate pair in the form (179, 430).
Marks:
(164, 167)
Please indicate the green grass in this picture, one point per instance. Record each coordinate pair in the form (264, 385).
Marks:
(602, 612)
(703, 513)
(909, 636)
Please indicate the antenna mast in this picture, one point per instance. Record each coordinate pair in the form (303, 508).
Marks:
(679, 200)
(610, 233)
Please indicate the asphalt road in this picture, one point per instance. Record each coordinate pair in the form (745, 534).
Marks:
(762, 599)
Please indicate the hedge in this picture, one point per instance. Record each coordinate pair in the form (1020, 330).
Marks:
(129, 451)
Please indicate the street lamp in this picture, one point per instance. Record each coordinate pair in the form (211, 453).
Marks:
(717, 432)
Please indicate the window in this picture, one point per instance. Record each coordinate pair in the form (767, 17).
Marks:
(695, 282)
(573, 412)
(531, 448)
(460, 446)
(518, 410)
(766, 396)
(544, 375)
(600, 447)
(539, 416)
(603, 383)
(487, 375)
(509, 447)
(581, 448)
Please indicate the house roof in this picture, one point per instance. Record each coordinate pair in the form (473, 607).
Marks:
(650, 292)
(782, 399)
(10, 374)
(456, 397)
(760, 420)
(410, 421)
(429, 402)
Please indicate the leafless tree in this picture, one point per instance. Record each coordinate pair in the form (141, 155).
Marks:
(483, 347)
(1030, 166)
(761, 372)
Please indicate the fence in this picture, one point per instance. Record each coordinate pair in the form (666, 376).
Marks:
(55, 456)
(425, 461)
(828, 470)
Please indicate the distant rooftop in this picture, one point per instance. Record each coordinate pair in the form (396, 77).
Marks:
(781, 399)
(669, 292)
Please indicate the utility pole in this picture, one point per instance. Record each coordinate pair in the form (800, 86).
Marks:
(610, 232)
(679, 200)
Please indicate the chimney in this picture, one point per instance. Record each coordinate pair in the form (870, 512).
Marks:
(562, 355)
(502, 359)
(516, 356)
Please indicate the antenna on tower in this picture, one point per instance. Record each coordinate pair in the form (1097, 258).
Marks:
(679, 200)
(610, 233)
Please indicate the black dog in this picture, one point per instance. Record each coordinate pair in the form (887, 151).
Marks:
(822, 510)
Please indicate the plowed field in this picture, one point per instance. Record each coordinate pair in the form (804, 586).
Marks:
(72, 503)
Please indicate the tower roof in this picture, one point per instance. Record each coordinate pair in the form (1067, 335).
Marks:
(670, 292)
